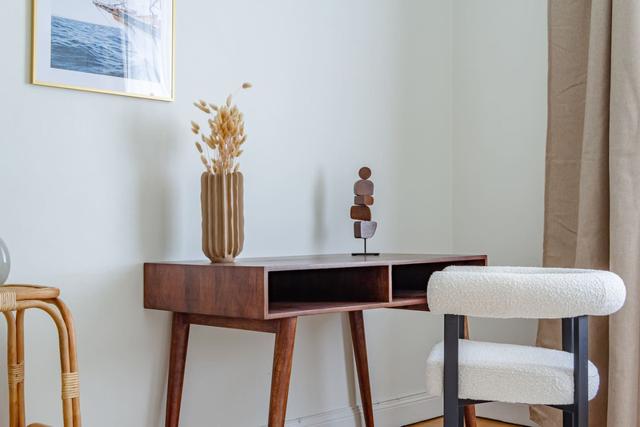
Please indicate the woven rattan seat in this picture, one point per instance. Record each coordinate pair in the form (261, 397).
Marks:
(31, 292)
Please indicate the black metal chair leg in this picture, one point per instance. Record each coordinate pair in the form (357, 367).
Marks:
(567, 345)
(567, 419)
(452, 412)
(580, 371)
(460, 406)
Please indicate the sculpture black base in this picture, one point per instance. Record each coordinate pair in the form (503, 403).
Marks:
(365, 253)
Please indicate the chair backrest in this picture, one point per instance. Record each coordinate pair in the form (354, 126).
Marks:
(524, 292)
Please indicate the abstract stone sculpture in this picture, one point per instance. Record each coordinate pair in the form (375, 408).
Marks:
(363, 228)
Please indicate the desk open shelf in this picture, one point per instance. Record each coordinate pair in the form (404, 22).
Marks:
(325, 290)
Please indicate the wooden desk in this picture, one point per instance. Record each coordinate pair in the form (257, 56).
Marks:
(268, 295)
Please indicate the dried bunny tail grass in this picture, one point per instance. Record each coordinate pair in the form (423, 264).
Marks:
(225, 136)
(202, 108)
(211, 143)
(205, 162)
(218, 166)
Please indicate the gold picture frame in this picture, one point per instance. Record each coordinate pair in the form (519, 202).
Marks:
(113, 63)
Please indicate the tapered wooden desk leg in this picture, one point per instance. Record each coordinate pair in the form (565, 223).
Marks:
(356, 321)
(177, 361)
(281, 374)
(469, 411)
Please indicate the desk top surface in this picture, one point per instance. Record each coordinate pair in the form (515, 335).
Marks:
(308, 262)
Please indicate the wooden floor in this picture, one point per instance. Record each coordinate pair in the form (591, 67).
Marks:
(437, 422)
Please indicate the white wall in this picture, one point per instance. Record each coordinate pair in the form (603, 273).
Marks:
(94, 185)
(499, 115)
(499, 133)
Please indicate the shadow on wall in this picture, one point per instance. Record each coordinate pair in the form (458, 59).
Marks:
(28, 37)
(152, 146)
(349, 361)
(320, 231)
(319, 208)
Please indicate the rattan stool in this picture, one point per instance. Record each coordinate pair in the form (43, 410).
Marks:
(19, 298)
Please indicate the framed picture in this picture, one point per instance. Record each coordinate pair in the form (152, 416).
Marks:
(122, 47)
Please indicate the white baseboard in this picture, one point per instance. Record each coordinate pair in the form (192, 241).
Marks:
(389, 413)
(343, 417)
(406, 410)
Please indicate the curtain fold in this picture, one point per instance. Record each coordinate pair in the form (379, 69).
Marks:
(592, 188)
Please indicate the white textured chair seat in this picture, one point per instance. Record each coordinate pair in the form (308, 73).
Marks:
(524, 292)
(510, 373)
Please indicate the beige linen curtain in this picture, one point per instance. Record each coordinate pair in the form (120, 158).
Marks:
(592, 196)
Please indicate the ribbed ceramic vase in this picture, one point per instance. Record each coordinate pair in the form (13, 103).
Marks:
(222, 216)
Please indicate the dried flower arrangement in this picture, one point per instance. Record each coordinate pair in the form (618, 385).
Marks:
(222, 146)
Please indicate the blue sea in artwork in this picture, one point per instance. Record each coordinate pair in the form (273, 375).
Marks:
(88, 48)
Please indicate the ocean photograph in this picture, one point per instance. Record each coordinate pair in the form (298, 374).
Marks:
(118, 39)
(88, 48)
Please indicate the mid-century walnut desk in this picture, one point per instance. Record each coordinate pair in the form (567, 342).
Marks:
(268, 295)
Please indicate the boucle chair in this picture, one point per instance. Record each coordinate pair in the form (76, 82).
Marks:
(471, 372)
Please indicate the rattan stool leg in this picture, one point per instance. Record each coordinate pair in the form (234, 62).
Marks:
(13, 369)
(20, 363)
(73, 357)
(69, 378)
